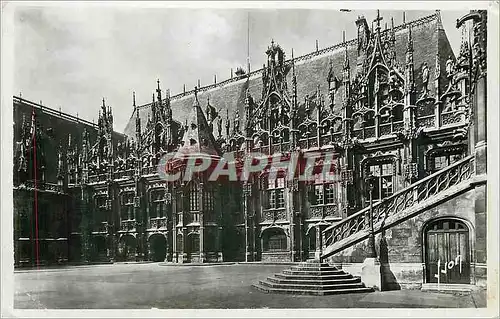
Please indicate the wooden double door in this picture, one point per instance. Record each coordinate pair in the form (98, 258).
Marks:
(447, 253)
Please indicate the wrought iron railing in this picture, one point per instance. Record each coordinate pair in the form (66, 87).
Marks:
(412, 195)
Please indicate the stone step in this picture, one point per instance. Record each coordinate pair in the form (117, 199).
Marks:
(313, 281)
(312, 292)
(314, 263)
(313, 272)
(317, 277)
(314, 268)
(310, 287)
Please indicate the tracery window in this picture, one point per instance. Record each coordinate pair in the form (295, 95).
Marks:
(193, 197)
(442, 160)
(157, 207)
(209, 199)
(127, 206)
(383, 180)
(276, 193)
(323, 191)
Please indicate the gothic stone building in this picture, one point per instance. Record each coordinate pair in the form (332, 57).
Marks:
(400, 117)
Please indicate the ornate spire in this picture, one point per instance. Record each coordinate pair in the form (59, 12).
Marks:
(158, 93)
(196, 103)
(409, 70)
(103, 107)
(377, 20)
(227, 123)
(437, 66)
(346, 74)
(137, 120)
(409, 44)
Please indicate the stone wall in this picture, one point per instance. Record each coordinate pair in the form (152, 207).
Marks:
(276, 256)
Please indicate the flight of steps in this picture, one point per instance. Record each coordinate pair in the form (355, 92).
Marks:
(312, 278)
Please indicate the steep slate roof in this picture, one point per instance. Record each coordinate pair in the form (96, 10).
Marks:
(312, 70)
(55, 126)
(196, 140)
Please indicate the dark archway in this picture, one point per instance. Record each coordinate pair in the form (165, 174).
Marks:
(100, 248)
(127, 247)
(157, 247)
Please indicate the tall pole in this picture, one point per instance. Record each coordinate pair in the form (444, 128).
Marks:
(371, 239)
(248, 43)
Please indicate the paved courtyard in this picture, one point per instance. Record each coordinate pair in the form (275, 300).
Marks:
(215, 286)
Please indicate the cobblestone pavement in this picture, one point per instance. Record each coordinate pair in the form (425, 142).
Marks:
(139, 286)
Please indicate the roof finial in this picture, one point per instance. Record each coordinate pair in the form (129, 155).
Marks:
(343, 36)
(317, 48)
(133, 96)
(158, 81)
(195, 102)
(404, 17)
(378, 19)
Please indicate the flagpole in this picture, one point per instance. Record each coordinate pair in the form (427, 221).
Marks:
(248, 42)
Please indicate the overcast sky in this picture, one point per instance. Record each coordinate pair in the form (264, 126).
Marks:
(72, 56)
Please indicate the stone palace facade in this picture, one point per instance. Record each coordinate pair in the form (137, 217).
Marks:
(393, 109)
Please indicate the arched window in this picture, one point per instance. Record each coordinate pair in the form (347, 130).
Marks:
(276, 193)
(274, 240)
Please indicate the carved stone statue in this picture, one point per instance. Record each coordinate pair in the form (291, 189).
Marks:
(219, 126)
(425, 77)
(450, 66)
(237, 121)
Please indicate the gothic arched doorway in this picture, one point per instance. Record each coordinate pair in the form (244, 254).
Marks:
(157, 247)
(127, 247)
(447, 252)
(100, 248)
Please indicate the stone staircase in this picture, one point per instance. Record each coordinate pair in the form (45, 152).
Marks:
(312, 278)
(401, 206)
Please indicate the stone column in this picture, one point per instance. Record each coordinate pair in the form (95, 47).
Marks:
(220, 256)
(247, 193)
(201, 209)
(319, 244)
